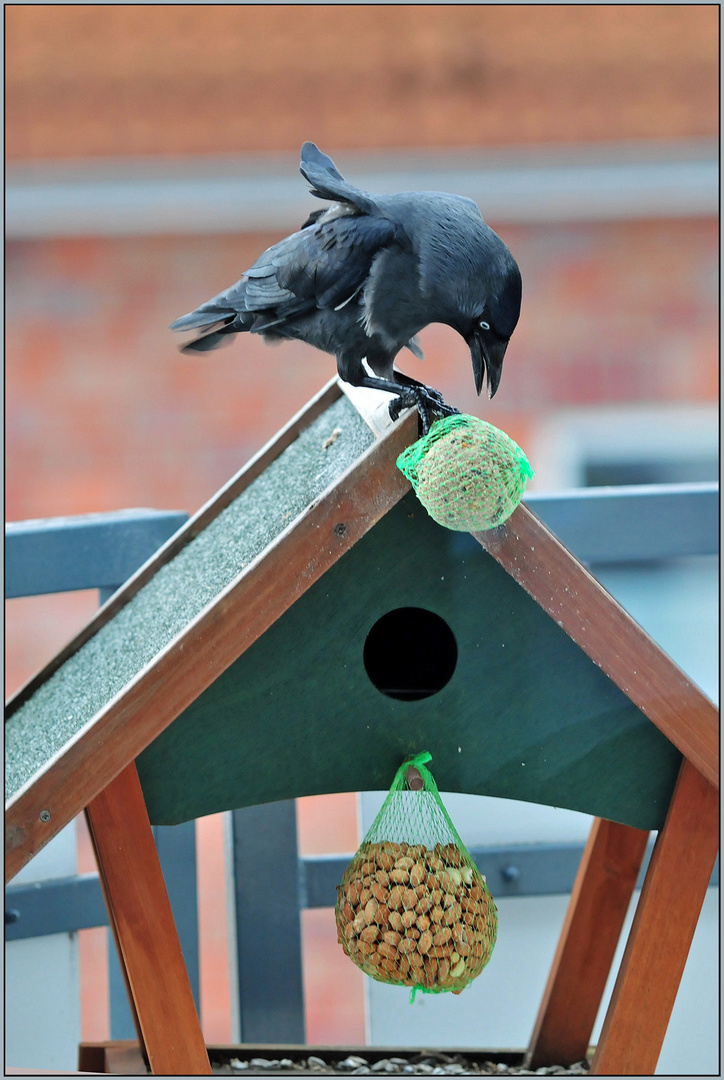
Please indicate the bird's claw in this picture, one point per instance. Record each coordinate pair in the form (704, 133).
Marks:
(425, 400)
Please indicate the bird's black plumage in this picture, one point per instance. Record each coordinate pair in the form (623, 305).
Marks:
(364, 275)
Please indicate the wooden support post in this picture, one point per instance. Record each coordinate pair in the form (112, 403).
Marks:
(142, 921)
(663, 927)
(601, 894)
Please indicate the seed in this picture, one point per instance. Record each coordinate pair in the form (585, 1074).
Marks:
(436, 914)
(417, 875)
(457, 971)
(382, 878)
(423, 904)
(378, 892)
(423, 922)
(405, 863)
(385, 949)
(451, 855)
(370, 911)
(369, 933)
(442, 935)
(382, 915)
(408, 918)
(407, 945)
(394, 899)
(399, 875)
(392, 937)
(396, 920)
(409, 898)
(416, 960)
(425, 942)
(455, 876)
(365, 947)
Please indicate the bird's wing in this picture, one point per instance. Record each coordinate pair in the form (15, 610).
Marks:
(328, 183)
(322, 266)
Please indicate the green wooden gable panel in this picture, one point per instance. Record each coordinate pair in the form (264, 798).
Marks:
(526, 714)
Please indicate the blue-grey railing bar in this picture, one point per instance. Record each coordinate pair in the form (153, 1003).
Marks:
(89, 551)
(63, 905)
(601, 525)
(633, 523)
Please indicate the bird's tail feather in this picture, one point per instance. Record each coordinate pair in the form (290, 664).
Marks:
(328, 183)
(207, 342)
(206, 317)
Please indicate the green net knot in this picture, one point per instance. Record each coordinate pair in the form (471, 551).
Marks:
(468, 474)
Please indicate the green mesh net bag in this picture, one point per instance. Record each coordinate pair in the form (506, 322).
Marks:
(413, 909)
(467, 474)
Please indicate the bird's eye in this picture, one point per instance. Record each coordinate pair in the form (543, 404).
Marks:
(484, 325)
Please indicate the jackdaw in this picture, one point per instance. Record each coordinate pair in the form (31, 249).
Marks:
(364, 275)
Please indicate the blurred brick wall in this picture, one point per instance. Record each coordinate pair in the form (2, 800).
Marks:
(154, 79)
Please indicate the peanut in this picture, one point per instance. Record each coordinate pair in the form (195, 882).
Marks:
(425, 942)
(417, 875)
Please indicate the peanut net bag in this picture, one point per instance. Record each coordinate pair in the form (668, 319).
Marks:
(413, 909)
(468, 474)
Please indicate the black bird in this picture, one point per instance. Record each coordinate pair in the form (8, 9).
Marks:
(364, 275)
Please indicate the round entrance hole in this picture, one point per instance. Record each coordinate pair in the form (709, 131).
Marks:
(410, 653)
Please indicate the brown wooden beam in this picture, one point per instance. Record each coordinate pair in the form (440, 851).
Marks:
(144, 929)
(663, 927)
(556, 580)
(601, 894)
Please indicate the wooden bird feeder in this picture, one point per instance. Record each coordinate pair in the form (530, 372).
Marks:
(230, 670)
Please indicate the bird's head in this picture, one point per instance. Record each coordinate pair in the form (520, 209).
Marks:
(490, 332)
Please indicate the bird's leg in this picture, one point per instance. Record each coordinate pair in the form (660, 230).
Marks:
(411, 394)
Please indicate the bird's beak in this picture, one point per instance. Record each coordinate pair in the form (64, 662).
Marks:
(487, 354)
